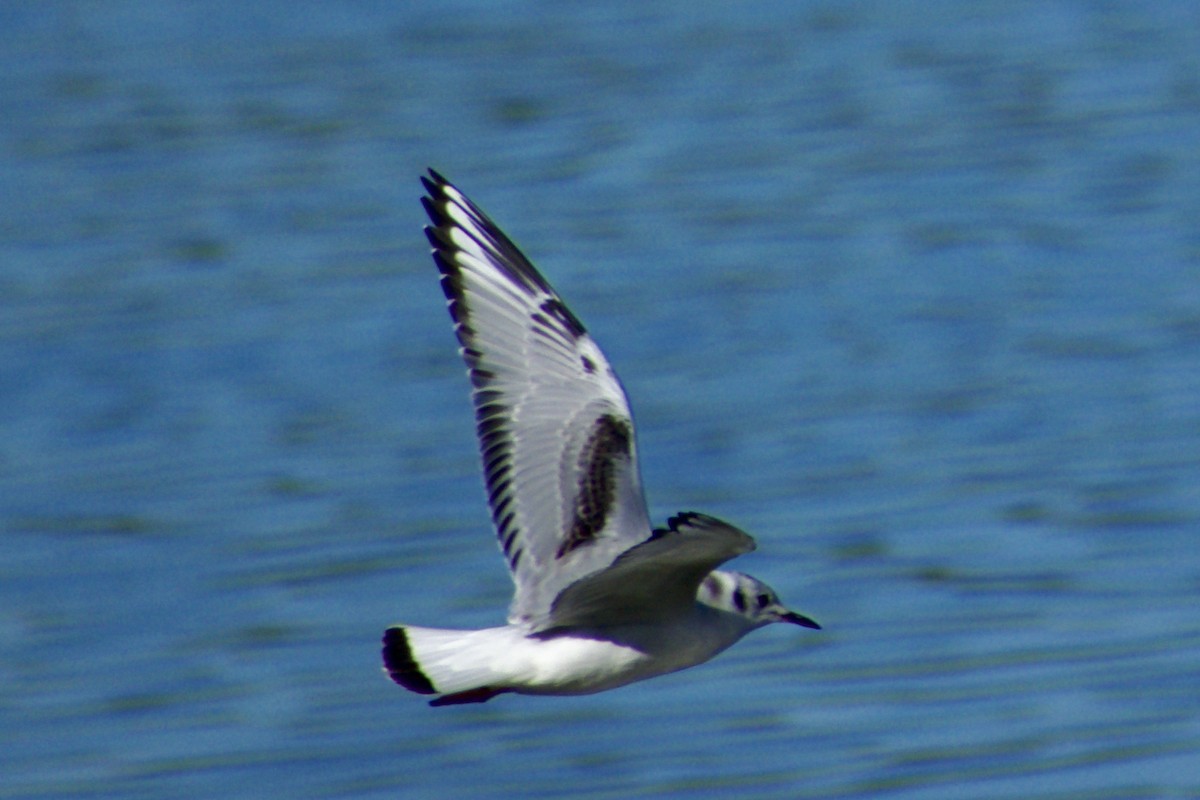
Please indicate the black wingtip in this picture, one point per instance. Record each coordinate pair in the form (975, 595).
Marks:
(400, 664)
(431, 210)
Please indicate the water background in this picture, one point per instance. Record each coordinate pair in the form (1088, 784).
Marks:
(911, 291)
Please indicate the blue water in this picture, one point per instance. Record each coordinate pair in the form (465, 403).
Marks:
(909, 291)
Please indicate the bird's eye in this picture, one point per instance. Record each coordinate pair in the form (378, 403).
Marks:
(762, 600)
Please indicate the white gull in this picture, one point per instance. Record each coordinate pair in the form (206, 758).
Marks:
(602, 599)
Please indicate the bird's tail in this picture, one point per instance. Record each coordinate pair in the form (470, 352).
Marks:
(460, 665)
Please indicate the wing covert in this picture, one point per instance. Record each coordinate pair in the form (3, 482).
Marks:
(652, 581)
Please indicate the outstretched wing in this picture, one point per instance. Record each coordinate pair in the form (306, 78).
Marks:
(654, 581)
(555, 431)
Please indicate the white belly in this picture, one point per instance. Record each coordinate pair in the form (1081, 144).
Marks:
(578, 665)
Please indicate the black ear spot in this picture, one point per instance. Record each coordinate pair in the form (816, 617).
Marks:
(739, 599)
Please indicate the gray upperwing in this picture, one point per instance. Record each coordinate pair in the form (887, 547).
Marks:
(653, 580)
(556, 435)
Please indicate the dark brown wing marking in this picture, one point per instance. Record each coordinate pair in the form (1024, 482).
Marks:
(608, 444)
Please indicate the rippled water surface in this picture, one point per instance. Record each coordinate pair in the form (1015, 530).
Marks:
(909, 291)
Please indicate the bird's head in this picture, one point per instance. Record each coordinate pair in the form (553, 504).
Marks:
(748, 597)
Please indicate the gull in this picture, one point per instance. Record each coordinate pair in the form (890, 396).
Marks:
(602, 599)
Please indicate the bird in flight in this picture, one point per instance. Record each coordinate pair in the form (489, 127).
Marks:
(602, 598)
